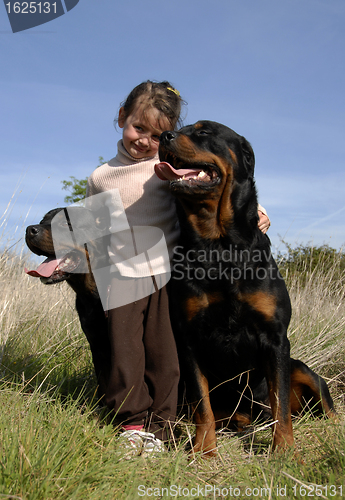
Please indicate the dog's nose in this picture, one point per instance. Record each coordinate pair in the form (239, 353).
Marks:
(32, 230)
(167, 137)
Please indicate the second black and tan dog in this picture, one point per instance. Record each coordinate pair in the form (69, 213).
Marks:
(229, 305)
(75, 269)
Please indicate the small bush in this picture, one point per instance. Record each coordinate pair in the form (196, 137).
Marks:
(303, 261)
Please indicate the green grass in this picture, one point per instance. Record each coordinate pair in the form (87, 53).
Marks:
(53, 448)
(54, 443)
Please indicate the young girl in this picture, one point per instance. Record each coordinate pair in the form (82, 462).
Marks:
(144, 372)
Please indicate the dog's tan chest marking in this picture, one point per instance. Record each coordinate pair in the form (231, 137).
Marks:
(261, 302)
(194, 305)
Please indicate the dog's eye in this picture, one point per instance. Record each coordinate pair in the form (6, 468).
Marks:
(203, 132)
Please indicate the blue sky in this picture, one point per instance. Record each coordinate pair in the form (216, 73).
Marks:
(271, 70)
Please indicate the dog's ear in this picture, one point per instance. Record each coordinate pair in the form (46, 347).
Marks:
(248, 156)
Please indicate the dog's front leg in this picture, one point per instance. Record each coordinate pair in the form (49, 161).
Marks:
(277, 368)
(205, 437)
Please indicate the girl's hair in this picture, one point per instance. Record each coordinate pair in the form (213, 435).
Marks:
(159, 95)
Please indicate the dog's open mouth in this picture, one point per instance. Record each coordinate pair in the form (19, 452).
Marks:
(53, 270)
(197, 175)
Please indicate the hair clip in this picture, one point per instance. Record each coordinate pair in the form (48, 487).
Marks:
(174, 90)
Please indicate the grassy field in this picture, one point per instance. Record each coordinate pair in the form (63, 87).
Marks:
(55, 445)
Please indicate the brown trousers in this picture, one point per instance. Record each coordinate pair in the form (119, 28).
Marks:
(143, 383)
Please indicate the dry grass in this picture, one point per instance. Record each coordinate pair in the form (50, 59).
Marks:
(40, 334)
(317, 328)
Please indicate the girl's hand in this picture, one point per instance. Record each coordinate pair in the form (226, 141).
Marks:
(264, 222)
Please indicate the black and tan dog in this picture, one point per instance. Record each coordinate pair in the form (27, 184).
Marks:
(75, 268)
(229, 305)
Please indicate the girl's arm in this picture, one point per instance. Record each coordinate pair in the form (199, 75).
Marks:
(264, 221)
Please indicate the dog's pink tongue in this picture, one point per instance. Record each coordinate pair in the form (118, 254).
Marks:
(45, 269)
(166, 172)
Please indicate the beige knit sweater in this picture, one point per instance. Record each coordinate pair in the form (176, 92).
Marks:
(146, 200)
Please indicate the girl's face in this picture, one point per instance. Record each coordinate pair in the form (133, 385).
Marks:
(140, 135)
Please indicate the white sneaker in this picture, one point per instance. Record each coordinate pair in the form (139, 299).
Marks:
(141, 443)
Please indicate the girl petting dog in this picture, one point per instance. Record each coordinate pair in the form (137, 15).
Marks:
(144, 372)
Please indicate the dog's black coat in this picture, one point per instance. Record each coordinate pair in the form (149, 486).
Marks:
(229, 305)
(91, 314)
